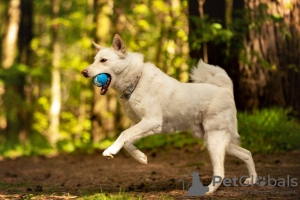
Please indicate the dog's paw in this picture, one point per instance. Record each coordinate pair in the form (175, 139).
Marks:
(209, 193)
(109, 153)
(136, 153)
(250, 181)
(141, 157)
(211, 189)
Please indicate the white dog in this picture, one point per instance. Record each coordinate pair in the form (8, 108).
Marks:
(157, 103)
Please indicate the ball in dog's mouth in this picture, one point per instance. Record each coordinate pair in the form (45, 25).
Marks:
(104, 89)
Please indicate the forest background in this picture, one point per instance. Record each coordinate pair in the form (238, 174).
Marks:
(47, 106)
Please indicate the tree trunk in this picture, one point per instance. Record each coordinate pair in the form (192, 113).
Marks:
(24, 88)
(102, 123)
(201, 13)
(55, 77)
(277, 83)
(263, 60)
(9, 50)
(193, 12)
(87, 54)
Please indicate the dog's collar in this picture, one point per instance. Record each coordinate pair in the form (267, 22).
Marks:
(129, 91)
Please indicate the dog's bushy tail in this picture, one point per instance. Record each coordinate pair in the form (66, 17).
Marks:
(205, 73)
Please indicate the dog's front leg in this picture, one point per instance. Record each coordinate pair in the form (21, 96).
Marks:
(140, 130)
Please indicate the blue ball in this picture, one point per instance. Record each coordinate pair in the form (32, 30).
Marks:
(100, 80)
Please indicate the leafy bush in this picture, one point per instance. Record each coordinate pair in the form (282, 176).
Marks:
(269, 130)
(264, 131)
(172, 140)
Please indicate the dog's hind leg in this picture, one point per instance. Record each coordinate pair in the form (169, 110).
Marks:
(216, 142)
(244, 155)
(197, 131)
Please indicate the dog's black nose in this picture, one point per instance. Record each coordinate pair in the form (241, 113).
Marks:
(85, 72)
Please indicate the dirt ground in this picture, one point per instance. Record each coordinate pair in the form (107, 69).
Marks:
(80, 174)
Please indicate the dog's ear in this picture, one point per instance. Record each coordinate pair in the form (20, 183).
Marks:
(97, 46)
(118, 44)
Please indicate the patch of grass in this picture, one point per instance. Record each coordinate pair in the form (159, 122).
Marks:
(7, 185)
(14, 190)
(174, 140)
(3, 185)
(20, 193)
(195, 164)
(35, 145)
(106, 196)
(269, 130)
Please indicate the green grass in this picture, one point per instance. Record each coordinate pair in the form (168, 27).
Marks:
(106, 196)
(36, 145)
(7, 185)
(168, 140)
(195, 164)
(265, 131)
(19, 191)
(269, 130)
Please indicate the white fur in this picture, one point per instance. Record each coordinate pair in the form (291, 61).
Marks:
(161, 104)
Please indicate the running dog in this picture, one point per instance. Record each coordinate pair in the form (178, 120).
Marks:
(157, 103)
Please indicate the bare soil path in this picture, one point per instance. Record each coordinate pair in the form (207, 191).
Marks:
(80, 174)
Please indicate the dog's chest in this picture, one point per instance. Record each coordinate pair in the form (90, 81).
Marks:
(133, 110)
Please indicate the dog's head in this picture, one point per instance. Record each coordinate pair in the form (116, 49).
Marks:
(110, 61)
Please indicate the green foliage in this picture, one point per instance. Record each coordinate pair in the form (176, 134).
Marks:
(155, 28)
(106, 196)
(266, 131)
(209, 30)
(257, 18)
(269, 131)
(158, 29)
(167, 140)
(36, 145)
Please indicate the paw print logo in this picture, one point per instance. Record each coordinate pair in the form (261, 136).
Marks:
(261, 181)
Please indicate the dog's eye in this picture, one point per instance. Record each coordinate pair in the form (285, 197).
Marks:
(103, 60)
